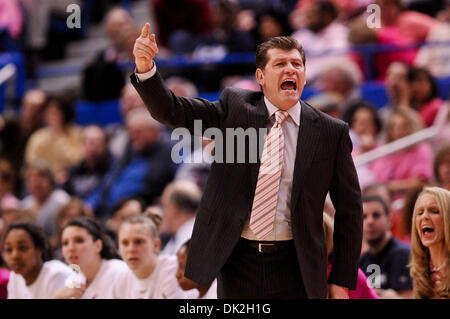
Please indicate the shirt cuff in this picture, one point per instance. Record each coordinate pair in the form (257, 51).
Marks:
(147, 75)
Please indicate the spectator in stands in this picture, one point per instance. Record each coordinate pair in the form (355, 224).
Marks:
(362, 291)
(422, 95)
(144, 171)
(385, 251)
(85, 177)
(411, 24)
(15, 130)
(117, 134)
(396, 87)
(441, 167)
(123, 210)
(343, 82)
(430, 240)
(59, 142)
(225, 34)
(73, 209)
(180, 201)
(323, 33)
(364, 122)
(102, 79)
(7, 177)
(148, 276)
(272, 23)
(86, 244)
(33, 275)
(410, 167)
(204, 292)
(361, 34)
(44, 201)
(181, 22)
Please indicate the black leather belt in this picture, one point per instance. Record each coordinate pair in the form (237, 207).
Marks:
(267, 246)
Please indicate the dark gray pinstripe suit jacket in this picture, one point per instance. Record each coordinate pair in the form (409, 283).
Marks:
(323, 163)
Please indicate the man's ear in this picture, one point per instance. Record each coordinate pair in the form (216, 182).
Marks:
(259, 76)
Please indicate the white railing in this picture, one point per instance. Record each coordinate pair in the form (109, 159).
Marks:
(423, 135)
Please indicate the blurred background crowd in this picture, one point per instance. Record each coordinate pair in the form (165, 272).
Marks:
(76, 139)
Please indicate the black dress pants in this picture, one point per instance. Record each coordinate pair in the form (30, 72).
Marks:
(250, 274)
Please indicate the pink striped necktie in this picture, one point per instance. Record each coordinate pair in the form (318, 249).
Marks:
(266, 193)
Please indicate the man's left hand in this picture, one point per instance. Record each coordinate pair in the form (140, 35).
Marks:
(337, 292)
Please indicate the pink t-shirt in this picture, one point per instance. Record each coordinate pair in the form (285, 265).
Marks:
(414, 162)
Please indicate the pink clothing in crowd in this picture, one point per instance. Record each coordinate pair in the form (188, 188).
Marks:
(413, 162)
(11, 17)
(362, 291)
(429, 111)
(414, 25)
(392, 36)
(4, 278)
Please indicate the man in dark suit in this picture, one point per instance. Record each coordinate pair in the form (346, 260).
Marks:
(283, 253)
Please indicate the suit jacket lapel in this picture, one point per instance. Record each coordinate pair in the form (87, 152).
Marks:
(307, 142)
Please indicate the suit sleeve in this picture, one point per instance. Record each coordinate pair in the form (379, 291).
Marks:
(175, 111)
(345, 194)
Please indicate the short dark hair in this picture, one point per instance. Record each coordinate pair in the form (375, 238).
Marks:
(37, 235)
(350, 114)
(65, 106)
(97, 232)
(374, 198)
(414, 72)
(283, 43)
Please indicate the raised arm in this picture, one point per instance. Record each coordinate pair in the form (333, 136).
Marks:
(162, 104)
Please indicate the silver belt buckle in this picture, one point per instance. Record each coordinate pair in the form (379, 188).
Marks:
(262, 244)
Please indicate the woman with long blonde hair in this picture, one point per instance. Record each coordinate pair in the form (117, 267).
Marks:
(430, 244)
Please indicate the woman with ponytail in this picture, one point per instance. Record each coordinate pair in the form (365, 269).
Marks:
(149, 276)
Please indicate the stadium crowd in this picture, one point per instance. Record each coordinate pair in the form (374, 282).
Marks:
(110, 199)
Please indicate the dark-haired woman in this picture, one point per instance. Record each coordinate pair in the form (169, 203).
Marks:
(59, 142)
(86, 245)
(33, 275)
(422, 95)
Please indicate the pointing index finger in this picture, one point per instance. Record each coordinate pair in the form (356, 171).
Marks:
(144, 32)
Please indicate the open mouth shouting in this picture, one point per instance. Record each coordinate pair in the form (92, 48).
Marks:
(427, 232)
(289, 86)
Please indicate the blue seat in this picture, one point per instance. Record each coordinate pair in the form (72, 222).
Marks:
(100, 113)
